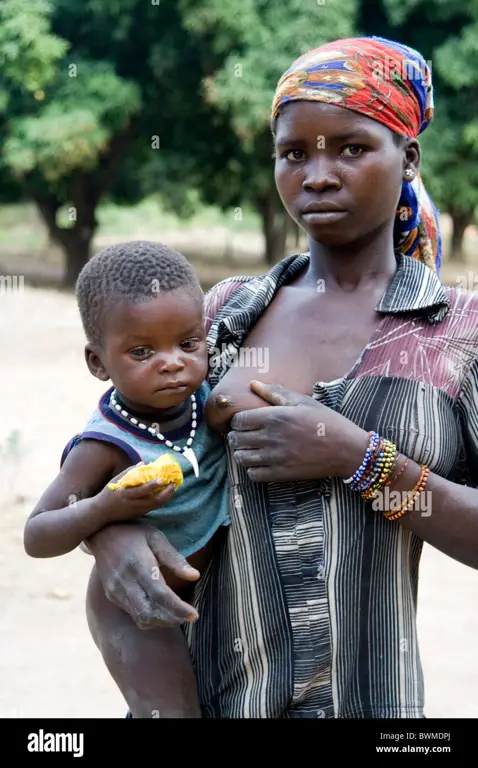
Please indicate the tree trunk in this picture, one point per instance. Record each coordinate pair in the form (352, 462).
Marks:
(274, 228)
(77, 252)
(461, 221)
(76, 240)
(85, 192)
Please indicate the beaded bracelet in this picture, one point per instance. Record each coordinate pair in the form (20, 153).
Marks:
(413, 494)
(394, 479)
(385, 466)
(378, 462)
(354, 480)
(373, 464)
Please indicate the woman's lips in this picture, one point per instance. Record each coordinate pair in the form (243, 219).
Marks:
(323, 217)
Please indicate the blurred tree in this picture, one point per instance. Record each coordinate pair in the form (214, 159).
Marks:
(446, 34)
(28, 50)
(28, 56)
(121, 80)
(258, 41)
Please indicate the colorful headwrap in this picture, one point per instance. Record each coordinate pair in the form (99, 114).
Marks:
(388, 82)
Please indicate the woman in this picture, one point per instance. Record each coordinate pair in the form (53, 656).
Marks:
(308, 609)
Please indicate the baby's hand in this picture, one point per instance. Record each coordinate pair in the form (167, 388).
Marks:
(129, 503)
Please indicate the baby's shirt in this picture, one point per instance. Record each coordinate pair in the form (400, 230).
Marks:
(201, 504)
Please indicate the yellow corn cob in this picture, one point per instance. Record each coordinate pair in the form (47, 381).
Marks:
(166, 469)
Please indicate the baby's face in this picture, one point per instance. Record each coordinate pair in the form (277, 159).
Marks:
(155, 353)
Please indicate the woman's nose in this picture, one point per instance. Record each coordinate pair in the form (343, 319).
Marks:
(320, 175)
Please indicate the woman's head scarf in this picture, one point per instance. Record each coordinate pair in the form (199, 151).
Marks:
(388, 82)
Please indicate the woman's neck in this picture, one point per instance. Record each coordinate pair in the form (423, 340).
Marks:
(354, 267)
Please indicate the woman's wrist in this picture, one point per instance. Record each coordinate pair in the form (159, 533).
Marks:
(354, 453)
(384, 478)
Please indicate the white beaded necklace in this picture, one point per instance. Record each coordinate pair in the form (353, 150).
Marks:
(187, 451)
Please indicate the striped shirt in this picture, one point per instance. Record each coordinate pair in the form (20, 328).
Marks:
(309, 609)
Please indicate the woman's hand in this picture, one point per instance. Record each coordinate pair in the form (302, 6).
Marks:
(297, 438)
(128, 559)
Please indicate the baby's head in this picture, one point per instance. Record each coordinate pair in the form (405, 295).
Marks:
(141, 306)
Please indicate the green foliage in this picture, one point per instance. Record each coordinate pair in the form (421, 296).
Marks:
(254, 42)
(446, 34)
(400, 12)
(261, 40)
(28, 51)
(85, 107)
(450, 164)
(200, 76)
(457, 57)
(122, 60)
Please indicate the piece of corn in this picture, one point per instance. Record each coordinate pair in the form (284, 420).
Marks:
(166, 469)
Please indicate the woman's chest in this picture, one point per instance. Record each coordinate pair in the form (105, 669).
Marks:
(297, 343)
(403, 383)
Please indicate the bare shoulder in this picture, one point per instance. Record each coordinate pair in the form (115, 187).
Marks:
(87, 468)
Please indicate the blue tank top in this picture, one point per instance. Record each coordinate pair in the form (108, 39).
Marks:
(201, 504)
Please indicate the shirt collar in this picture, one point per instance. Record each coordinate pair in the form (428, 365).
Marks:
(415, 288)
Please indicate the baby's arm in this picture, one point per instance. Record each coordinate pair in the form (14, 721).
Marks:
(78, 503)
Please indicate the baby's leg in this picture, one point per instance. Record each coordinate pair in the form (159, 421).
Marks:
(151, 667)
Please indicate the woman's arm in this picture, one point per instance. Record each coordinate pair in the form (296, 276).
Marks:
(445, 515)
(448, 518)
(301, 439)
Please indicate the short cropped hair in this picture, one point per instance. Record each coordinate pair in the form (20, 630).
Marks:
(137, 271)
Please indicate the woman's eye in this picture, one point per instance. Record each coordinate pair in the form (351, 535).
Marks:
(354, 149)
(297, 155)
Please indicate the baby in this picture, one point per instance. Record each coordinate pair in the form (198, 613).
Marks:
(142, 312)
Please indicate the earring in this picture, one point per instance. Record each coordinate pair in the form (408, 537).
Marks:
(409, 173)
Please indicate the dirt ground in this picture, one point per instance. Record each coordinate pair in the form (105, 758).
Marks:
(49, 666)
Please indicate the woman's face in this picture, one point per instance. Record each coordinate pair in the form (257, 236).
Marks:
(339, 174)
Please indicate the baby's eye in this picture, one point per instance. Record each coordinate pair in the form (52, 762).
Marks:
(355, 150)
(141, 353)
(190, 345)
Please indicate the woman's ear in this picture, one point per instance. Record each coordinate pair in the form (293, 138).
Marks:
(411, 160)
(93, 357)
